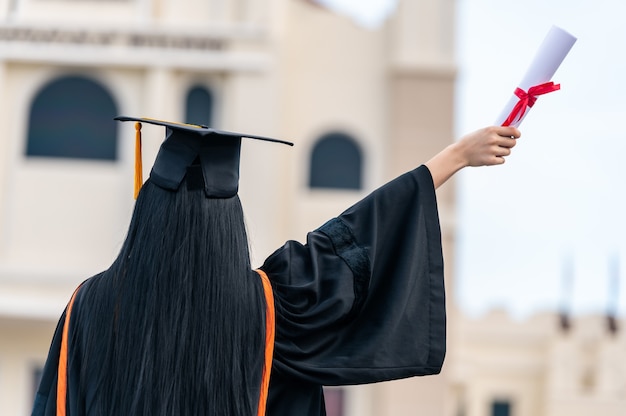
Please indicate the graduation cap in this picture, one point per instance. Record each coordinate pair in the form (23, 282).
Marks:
(215, 153)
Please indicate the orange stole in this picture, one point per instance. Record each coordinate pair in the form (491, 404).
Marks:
(270, 330)
(62, 371)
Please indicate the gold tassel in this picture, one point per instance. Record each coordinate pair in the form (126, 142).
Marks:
(138, 167)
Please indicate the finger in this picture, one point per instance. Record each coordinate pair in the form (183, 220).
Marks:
(491, 160)
(507, 142)
(497, 160)
(510, 132)
(503, 151)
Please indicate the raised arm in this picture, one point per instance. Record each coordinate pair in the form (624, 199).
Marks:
(484, 147)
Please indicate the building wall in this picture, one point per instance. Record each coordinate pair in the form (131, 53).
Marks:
(23, 343)
(540, 369)
(283, 68)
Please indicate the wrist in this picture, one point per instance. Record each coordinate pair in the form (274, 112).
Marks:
(456, 156)
(446, 163)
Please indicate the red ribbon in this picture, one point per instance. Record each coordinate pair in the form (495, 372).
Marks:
(528, 99)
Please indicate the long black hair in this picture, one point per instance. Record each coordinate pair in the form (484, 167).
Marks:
(176, 325)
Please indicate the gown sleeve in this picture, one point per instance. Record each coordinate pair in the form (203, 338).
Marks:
(363, 300)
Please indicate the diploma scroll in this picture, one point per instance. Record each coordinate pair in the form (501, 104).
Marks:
(536, 81)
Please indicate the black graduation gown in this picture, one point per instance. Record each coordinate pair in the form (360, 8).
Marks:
(362, 301)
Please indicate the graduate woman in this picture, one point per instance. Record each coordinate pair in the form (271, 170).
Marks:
(181, 325)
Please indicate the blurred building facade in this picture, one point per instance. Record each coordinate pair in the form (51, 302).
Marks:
(546, 365)
(291, 69)
(283, 68)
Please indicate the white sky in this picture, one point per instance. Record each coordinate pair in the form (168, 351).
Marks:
(368, 13)
(560, 195)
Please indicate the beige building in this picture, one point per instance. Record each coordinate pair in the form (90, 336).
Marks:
(284, 68)
(539, 367)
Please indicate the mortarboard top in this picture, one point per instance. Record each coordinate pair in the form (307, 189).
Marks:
(185, 144)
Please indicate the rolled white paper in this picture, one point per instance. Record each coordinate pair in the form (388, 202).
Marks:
(547, 60)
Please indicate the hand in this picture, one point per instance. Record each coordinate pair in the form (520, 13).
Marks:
(487, 146)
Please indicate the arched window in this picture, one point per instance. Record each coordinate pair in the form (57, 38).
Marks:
(72, 117)
(501, 408)
(336, 163)
(199, 106)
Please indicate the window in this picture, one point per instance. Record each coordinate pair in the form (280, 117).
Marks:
(336, 163)
(199, 106)
(501, 408)
(72, 117)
